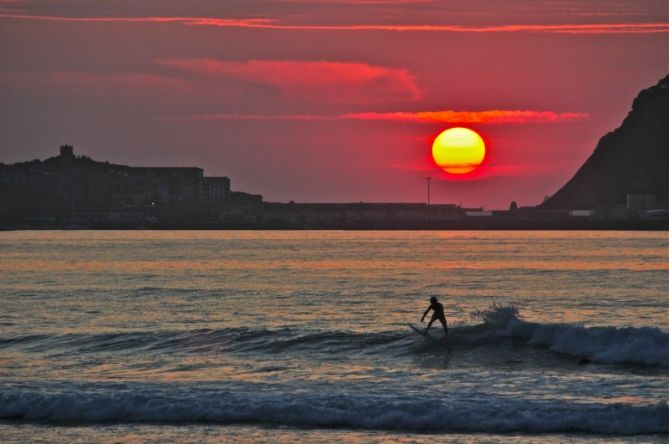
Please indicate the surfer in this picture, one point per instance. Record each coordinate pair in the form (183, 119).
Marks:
(438, 313)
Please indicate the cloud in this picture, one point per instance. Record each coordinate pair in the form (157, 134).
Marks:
(588, 28)
(268, 23)
(491, 169)
(530, 168)
(233, 116)
(446, 116)
(224, 22)
(357, 2)
(329, 81)
(489, 116)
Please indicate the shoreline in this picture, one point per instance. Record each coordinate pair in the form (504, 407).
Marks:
(456, 225)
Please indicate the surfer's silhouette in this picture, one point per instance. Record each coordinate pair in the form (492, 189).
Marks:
(438, 313)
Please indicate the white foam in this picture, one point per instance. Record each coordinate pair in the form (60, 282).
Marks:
(619, 345)
(329, 410)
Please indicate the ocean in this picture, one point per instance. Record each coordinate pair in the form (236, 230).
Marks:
(303, 336)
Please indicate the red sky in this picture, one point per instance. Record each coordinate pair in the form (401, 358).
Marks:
(324, 100)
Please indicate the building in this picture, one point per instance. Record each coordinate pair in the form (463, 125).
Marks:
(641, 202)
(69, 187)
(215, 189)
(168, 185)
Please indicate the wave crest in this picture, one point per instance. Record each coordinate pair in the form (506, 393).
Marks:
(612, 345)
(501, 324)
(151, 405)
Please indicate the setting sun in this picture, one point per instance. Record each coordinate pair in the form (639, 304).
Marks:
(458, 150)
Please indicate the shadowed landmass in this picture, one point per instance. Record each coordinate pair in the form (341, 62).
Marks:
(633, 159)
(623, 185)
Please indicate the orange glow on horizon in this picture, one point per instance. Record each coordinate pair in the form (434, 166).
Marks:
(458, 150)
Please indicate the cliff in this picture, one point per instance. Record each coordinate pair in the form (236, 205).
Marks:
(633, 159)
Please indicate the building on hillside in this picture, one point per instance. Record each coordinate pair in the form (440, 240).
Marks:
(215, 189)
(169, 185)
(67, 185)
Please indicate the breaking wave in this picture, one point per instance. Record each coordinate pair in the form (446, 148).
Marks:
(501, 324)
(613, 345)
(376, 412)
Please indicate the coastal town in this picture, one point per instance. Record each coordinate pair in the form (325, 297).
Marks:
(76, 192)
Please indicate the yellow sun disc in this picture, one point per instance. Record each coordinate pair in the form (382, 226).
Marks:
(458, 150)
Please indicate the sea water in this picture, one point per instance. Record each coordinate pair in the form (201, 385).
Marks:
(302, 336)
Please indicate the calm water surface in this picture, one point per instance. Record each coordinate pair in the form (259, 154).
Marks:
(302, 335)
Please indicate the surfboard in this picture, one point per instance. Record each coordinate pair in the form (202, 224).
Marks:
(420, 331)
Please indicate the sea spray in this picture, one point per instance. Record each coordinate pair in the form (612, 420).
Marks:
(616, 345)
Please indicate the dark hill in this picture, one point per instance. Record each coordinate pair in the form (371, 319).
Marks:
(633, 159)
